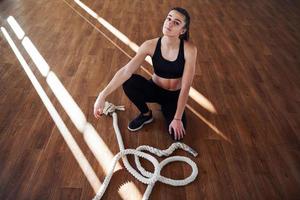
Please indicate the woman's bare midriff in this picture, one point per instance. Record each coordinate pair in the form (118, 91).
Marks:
(165, 83)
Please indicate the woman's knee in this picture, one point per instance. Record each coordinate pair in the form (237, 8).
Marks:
(133, 82)
(129, 83)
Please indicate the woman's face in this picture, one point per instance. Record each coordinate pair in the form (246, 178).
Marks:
(174, 24)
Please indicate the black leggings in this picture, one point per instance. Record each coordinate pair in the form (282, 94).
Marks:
(140, 91)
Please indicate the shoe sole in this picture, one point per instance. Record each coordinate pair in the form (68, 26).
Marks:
(146, 122)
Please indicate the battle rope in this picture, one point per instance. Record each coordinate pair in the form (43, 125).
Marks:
(148, 177)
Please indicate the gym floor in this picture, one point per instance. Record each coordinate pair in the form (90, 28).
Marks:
(243, 112)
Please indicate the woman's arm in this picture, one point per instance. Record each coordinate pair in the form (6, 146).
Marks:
(121, 76)
(125, 72)
(187, 79)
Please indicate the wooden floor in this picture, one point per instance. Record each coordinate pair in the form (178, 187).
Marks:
(248, 68)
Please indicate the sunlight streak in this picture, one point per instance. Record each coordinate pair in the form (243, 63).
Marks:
(209, 124)
(111, 28)
(96, 144)
(16, 27)
(90, 135)
(200, 99)
(104, 156)
(75, 149)
(35, 55)
(66, 101)
(129, 191)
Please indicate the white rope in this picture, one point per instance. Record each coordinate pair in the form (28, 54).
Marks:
(145, 176)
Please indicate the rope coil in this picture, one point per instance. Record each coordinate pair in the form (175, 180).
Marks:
(144, 176)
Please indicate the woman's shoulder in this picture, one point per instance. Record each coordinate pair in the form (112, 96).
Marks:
(189, 46)
(151, 42)
(190, 49)
(149, 45)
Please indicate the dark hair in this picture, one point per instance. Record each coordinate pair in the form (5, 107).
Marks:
(187, 20)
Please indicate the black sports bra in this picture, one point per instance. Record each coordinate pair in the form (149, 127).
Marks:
(165, 68)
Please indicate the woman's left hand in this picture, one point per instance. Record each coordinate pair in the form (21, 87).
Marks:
(178, 129)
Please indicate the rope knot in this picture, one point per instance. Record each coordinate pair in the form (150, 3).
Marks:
(110, 108)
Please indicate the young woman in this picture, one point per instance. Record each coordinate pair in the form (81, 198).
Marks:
(174, 60)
